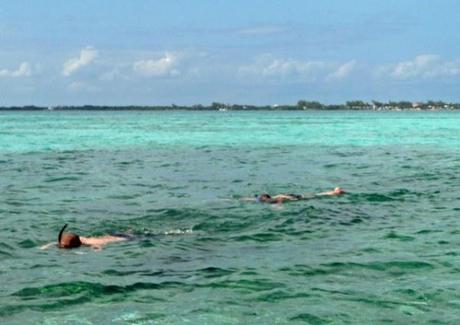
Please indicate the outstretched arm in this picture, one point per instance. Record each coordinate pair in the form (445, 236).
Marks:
(334, 192)
(307, 196)
(287, 197)
(280, 198)
(48, 245)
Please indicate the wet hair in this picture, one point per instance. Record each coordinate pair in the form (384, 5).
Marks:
(264, 197)
(68, 239)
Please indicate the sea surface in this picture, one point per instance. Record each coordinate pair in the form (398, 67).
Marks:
(386, 252)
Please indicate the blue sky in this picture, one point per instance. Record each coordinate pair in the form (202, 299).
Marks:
(115, 52)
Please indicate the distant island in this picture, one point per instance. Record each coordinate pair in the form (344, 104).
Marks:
(302, 105)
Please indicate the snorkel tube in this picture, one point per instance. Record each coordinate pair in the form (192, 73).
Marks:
(60, 234)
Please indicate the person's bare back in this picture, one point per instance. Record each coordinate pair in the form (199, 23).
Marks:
(97, 242)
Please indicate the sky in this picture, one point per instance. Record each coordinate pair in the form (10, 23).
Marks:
(156, 52)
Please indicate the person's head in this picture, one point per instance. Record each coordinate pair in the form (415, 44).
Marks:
(338, 190)
(68, 239)
(264, 197)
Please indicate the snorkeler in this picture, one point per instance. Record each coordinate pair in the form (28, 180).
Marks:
(71, 240)
(280, 198)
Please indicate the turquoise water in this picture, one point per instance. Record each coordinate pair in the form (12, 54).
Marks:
(387, 252)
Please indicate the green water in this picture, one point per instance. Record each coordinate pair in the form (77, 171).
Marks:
(387, 252)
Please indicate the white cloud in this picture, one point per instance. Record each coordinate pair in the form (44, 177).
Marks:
(157, 67)
(87, 55)
(422, 66)
(307, 70)
(24, 70)
(342, 72)
(268, 67)
(111, 75)
(288, 67)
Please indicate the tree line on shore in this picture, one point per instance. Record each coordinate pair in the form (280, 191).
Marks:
(301, 105)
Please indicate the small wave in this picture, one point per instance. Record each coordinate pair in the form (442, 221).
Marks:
(304, 270)
(394, 235)
(309, 319)
(396, 195)
(375, 197)
(61, 179)
(6, 254)
(427, 231)
(14, 203)
(280, 295)
(254, 285)
(260, 237)
(6, 246)
(112, 272)
(50, 297)
(88, 289)
(225, 226)
(178, 232)
(27, 243)
(382, 266)
(127, 163)
(214, 272)
(344, 267)
(124, 196)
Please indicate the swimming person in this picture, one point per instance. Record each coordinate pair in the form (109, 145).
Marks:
(72, 240)
(280, 198)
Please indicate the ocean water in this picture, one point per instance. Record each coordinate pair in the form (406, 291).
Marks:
(386, 252)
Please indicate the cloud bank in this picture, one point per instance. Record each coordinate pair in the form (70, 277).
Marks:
(342, 72)
(423, 66)
(24, 70)
(157, 67)
(307, 70)
(87, 55)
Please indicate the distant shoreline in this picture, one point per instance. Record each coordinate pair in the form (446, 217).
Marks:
(300, 106)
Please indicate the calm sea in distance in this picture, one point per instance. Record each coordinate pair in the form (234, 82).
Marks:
(386, 252)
